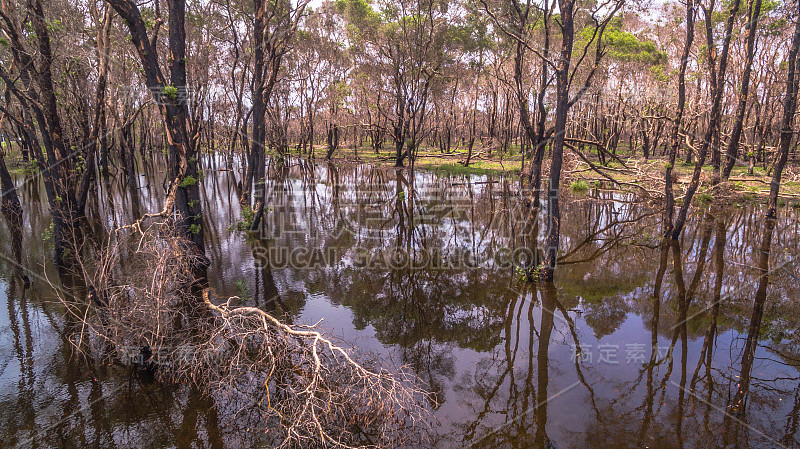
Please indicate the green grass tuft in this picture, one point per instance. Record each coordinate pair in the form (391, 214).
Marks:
(704, 197)
(579, 186)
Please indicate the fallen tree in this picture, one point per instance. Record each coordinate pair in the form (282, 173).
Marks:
(146, 308)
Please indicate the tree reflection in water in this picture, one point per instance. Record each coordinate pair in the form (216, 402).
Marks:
(639, 343)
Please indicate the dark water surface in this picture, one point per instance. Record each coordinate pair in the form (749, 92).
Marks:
(637, 344)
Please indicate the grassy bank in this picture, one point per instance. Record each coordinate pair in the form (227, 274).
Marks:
(635, 175)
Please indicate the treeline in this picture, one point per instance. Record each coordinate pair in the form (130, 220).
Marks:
(89, 87)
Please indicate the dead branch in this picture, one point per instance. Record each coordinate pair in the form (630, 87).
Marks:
(605, 175)
(305, 388)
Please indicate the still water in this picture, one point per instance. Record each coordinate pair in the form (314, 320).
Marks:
(637, 344)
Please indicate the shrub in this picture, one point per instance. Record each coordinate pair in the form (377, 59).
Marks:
(579, 186)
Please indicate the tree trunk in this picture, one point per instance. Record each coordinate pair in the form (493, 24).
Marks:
(731, 154)
(183, 193)
(789, 109)
(669, 195)
(566, 7)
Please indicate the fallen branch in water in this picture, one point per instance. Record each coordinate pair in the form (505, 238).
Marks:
(388, 400)
(165, 212)
(304, 388)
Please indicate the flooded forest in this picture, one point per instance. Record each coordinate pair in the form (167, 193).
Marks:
(400, 223)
